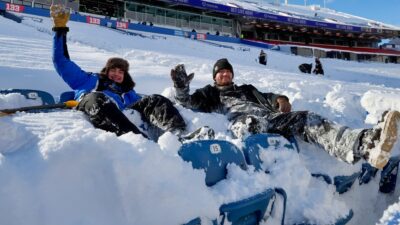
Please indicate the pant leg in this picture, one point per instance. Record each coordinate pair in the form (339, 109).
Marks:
(246, 125)
(339, 141)
(160, 112)
(105, 115)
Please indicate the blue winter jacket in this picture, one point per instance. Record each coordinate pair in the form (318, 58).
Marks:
(83, 82)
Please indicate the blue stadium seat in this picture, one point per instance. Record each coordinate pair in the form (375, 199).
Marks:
(66, 96)
(387, 183)
(252, 210)
(47, 98)
(265, 141)
(213, 156)
(341, 221)
(256, 143)
(274, 142)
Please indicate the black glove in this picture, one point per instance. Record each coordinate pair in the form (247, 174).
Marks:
(179, 76)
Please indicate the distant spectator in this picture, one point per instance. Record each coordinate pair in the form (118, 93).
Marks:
(262, 58)
(144, 23)
(151, 24)
(217, 33)
(305, 67)
(318, 67)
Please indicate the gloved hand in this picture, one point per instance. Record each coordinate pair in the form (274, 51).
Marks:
(60, 15)
(179, 76)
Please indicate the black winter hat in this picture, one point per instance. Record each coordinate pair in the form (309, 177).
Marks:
(220, 65)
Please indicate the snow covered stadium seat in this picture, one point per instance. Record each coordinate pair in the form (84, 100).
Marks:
(268, 141)
(47, 98)
(213, 156)
(254, 144)
(66, 96)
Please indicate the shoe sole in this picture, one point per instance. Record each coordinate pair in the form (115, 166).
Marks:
(388, 139)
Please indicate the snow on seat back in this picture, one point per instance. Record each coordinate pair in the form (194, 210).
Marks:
(45, 97)
(213, 156)
(259, 142)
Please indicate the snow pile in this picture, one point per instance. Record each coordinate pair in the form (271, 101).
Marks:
(16, 100)
(84, 175)
(391, 215)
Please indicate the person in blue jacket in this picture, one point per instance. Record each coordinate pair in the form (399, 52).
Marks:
(102, 96)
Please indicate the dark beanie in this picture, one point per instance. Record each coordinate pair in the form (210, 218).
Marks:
(220, 65)
(116, 63)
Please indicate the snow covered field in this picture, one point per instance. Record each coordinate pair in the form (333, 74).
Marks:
(55, 168)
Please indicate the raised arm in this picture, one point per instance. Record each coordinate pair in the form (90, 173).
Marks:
(200, 100)
(71, 73)
(181, 83)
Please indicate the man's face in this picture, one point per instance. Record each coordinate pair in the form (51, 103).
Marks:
(116, 75)
(223, 77)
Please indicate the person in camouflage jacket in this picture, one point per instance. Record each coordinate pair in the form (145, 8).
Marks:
(251, 111)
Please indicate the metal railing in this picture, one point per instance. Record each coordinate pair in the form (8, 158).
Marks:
(180, 23)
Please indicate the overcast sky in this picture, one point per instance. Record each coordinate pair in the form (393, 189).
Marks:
(387, 11)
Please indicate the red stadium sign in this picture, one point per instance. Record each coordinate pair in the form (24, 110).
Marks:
(93, 20)
(201, 37)
(14, 8)
(122, 25)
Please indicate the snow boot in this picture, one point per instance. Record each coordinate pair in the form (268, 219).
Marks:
(377, 143)
(202, 133)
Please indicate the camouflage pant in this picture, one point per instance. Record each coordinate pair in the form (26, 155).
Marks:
(156, 110)
(105, 115)
(339, 141)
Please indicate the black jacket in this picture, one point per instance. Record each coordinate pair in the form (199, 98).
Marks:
(262, 59)
(318, 68)
(232, 100)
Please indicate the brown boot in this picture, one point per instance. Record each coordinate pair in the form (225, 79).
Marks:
(378, 148)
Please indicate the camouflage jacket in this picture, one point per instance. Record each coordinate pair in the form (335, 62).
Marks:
(232, 100)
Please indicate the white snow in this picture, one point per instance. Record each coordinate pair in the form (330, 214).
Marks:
(55, 168)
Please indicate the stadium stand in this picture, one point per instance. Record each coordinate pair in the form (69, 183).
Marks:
(310, 31)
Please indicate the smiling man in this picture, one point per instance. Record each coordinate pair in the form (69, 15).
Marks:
(251, 111)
